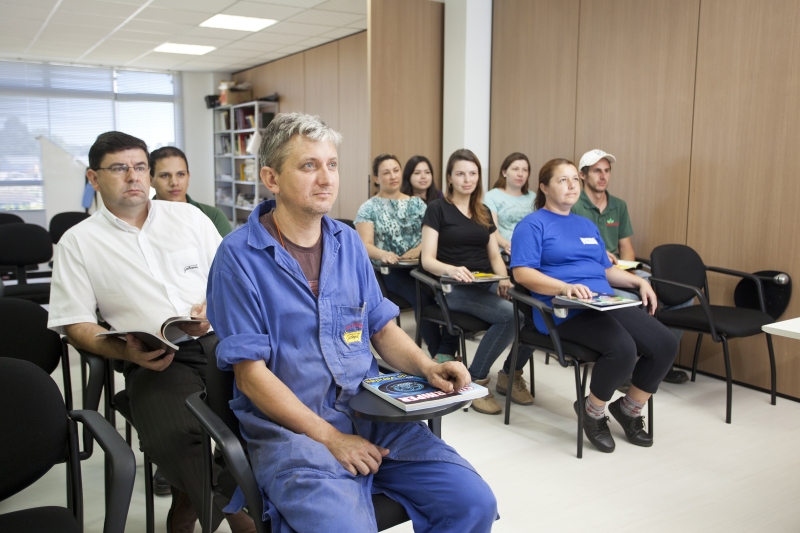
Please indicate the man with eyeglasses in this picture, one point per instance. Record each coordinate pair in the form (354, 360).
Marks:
(140, 262)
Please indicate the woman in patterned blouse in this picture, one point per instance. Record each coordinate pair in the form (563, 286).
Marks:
(390, 226)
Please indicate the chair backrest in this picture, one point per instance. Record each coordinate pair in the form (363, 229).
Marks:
(61, 222)
(219, 391)
(24, 244)
(24, 334)
(10, 218)
(33, 425)
(347, 221)
(678, 263)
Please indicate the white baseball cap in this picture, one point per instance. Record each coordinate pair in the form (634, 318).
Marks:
(593, 156)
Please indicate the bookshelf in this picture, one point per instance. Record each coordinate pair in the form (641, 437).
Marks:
(237, 185)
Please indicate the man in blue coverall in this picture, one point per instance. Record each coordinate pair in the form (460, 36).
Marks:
(294, 300)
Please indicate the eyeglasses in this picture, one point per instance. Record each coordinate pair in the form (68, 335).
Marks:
(120, 170)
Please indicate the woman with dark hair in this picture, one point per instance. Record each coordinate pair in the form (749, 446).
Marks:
(458, 239)
(559, 253)
(509, 199)
(390, 226)
(418, 179)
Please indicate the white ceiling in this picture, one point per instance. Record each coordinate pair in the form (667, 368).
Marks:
(123, 33)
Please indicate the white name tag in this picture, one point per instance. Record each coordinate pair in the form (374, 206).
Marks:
(588, 240)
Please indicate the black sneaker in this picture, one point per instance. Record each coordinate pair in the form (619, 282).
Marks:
(596, 430)
(676, 376)
(633, 425)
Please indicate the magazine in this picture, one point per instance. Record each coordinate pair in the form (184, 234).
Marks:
(169, 334)
(480, 277)
(412, 393)
(627, 265)
(601, 301)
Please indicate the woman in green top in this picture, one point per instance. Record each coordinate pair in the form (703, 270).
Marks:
(509, 199)
(390, 226)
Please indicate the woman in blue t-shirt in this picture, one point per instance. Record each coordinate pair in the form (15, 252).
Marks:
(559, 253)
(459, 238)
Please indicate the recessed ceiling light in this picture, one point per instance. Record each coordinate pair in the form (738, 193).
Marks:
(234, 22)
(191, 49)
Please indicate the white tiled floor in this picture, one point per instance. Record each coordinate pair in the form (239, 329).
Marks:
(700, 475)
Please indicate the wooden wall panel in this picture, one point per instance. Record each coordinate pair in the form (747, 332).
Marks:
(406, 50)
(534, 66)
(285, 76)
(744, 191)
(354, 160)
(636, 68)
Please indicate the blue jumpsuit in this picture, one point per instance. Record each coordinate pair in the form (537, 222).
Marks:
(262, 307)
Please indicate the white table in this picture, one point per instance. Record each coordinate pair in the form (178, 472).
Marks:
(784, 328)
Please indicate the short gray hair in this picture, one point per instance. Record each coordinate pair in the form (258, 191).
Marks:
(274, 150)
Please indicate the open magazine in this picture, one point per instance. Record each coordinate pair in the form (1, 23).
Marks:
(480, 277)
(170, 332)
(601, 301)
(627, 265)
(412, 393)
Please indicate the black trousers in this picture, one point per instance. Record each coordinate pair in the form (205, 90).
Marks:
(618, 336)
(168, 432)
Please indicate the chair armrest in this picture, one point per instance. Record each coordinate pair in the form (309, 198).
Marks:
(123, 467)
(381, 283)
(745, 275)
(438, 293)
(547, 314)
(231, 448)
(426, 279)
(700, 296)
(643, 260)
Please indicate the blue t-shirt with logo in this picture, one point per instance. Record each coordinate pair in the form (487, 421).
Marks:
(565, 247)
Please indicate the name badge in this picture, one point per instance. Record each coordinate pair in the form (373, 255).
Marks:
(588, 240)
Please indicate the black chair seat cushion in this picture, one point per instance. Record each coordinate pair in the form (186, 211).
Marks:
(40, 520)
(730, 321)
(35, 292)
(123, 406)
(388, 512)
(24, 334)
(399, 301)
(530, 335)
(464, 321)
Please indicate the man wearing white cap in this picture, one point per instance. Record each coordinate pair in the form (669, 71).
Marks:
(609, 213)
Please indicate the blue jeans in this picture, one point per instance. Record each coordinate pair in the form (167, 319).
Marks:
(481, 300)
(400, 282)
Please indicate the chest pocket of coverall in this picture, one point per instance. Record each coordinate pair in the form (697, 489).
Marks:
(352, 334)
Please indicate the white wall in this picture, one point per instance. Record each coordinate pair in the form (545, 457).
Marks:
(198, 140)
(64, 179)
(467, 79)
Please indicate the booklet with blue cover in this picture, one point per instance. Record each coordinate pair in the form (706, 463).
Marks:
(412, 393)
(601, 301)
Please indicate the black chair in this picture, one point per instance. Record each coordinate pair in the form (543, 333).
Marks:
(101, 379)
(679, 274)
(37, 432)
(61, 222)
(346, 221)
(457, 324)
(10, 218)
(567, 353)
(220, 424)
(24, 335)
(22, 245)
(396, 299)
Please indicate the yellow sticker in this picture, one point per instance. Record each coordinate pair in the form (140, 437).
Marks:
(352, 333)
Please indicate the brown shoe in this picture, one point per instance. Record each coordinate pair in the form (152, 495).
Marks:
(181, 516)
(486, 405)
(240, 523)
(519, 390)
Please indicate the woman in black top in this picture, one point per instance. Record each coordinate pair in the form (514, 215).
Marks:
(458, 238)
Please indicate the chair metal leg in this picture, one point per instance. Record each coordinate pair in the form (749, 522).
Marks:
(514, 355)
(547, 358)
(772, 368)
(533, 387)
(397, 320)
(728, 378)
(650, 416)
(696, 355)
(208, 489)
(435, 425)
(583, 381)
(579, 393)
(463, 350)
(148, 495)
(128, 433)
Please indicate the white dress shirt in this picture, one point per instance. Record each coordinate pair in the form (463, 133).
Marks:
(136, 278)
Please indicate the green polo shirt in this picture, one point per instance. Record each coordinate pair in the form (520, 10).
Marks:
(219, 219)
(613, 223)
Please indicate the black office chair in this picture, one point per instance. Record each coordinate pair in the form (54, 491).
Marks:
(457, 324)
(101, 377)
(22, 245)
(37, 432)
(10, 218)
(679, 274)
(61, 222)
(24, 335)
(220, 424)
(567, 353)
(396, 299)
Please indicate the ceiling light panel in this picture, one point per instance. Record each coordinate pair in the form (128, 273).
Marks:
(190, 49)
(235, 22)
